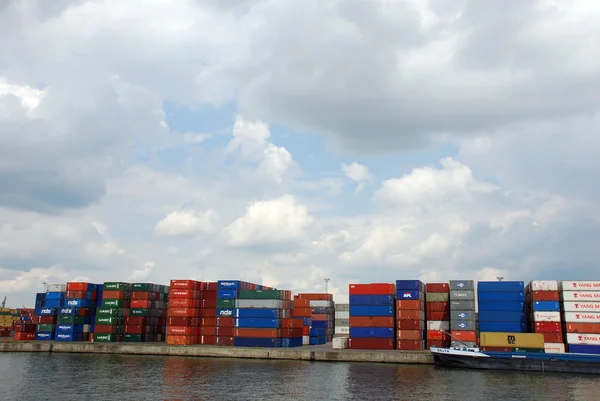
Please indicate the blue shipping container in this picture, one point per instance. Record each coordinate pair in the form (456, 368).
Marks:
(501, 296)
(502, 316)
(68, 311)
(501, 286)
(256, 342)
(291, 342)
(229, 285)
(408, 295)
(317, 332)
(372, 310)
(44, 312)
(258, 323)
(227, 294)
(516, 327)
(225, 312)
(502, 306)
(545, 306)
(44, 336)
(55, 295)
(372, 300)
(414, 285)
(306, 321)
(258, 312)
(320, 324)
(80, 303)
(584, 349)
(54, 303)
(317, 340)
(372, 332)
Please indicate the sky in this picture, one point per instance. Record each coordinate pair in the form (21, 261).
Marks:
(283, 142)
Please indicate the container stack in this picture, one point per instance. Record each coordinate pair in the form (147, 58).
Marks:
(437, 308)
(45, 316)
(227, 295)
(183, 314)
(6, 324)
(342, 321)
(372, 316)
(463, 323)
(110, 317)
(147, 314)
(302, 311)
(24, 328)
(258, 318)
(502, 307)
(410, 315)
(73, 322)
(543, 308)
(322, 314)
(511, 342)
(208, 316)
(581, 315)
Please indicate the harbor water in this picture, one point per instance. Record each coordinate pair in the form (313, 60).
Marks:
(120, 377)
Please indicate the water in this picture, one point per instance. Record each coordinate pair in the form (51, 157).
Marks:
(114, 377)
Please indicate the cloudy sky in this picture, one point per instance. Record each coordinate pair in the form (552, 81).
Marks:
(282, 141)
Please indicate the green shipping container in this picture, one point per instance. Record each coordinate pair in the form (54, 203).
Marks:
(102, 311)
(260, 294)
(63, 319)
(45, 328)
(113, 303)
(144, 287)
(436, 297)
(110, 286)
(104, 338)
(118, 320)
(225, 303)
(133, 338)
(147, 312)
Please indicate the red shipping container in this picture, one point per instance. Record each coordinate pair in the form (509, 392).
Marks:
(210, 295)
(209, 303)
(107, 328)
(208, 321)
(24, 336)
(113, 294)
(183, 312)
(370, 343)
(437, 335)
(413, 304)
(142, 295)
(76, 294)
(410, 345)
(212, 286)
(182, 340)
(305, 330)
(438, 343)
(208, 340)
(409, 335)
(302, 312)
(317, 296)
(184, 285)
(136, 320)
(320, 317)
(136, 329)
(208, 312)
(437, 307)
(77, 286)
(225, 341)
(411, 324)
(225, 331)
(24, 327)
(186, 294)
(226, 321)
(545, 296)
(183, 331)
(409, 314)
(291, 333)
(372, 289)
(372, 321)
(437, 287)
(547, 327)
(468, 336)
(301, 302)
(257, 333)
(44, 319)
(291, 323)
(138, 303)
(553, 337)
(208, 331)
(586, 328)
(185, 303)
(439, 316)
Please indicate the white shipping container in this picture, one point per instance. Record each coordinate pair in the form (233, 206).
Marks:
(587, 339)
(55, 287)
(572, 306)
(580, 285)
(438, 325)
(580, 295)
(546, 317)
(340, 343)
(544, 285)
(342, 330)
(342, 315)
(320, 304)
(554, 348)
(582, 317)
(305, 340)
(259, 303)
(342, 307)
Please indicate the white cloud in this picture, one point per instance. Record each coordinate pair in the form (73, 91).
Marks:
(186, 222)
(358, 173)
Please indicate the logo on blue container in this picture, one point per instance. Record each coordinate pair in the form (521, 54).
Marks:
(407, 295)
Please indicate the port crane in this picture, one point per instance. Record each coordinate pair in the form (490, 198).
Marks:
(4, 302)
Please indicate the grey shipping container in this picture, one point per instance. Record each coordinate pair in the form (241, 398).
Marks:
(462, 315)
(462, 305)
(462, 285)
(458, 325)
(342, 307)
(342, 322)
(462, 295)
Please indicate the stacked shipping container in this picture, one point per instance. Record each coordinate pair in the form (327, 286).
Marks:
(208, 317)
(437, 312)
(502, 306)
(463, 323)
(6, 324)
(372, 316)
(581, 315)
(24, 328)
(410, 315)
(73, 322)
(227, 296)
(302, 311)
(342, 320)
(45, 316)
(147, 314)
(543, 308)
(183, 313)
(110, 316)
(323, 314)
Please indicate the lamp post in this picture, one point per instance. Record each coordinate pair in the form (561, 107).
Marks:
(500, 278)
(326, 285)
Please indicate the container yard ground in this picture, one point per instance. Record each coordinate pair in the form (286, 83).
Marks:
(322, 353)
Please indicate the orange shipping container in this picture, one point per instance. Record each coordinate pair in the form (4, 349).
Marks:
(185, 285)
(113, 294)
(372, 321)
(469, 336)
(138, 303)
(184, 303)
(317, 297)
(545, 296)
(413, 304)
(184, 312)
(437, 335)
(303, 312)
(208, 331)
(320, 316)
(257, 333)
(305, 330)
(553, 337)
(586, 328)
(142, 295)
(409, 345)
(291, 323)
(182, 340)
(186, 294)
(409, 335)
(301, 303)
(182, 331)
(410, 314)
